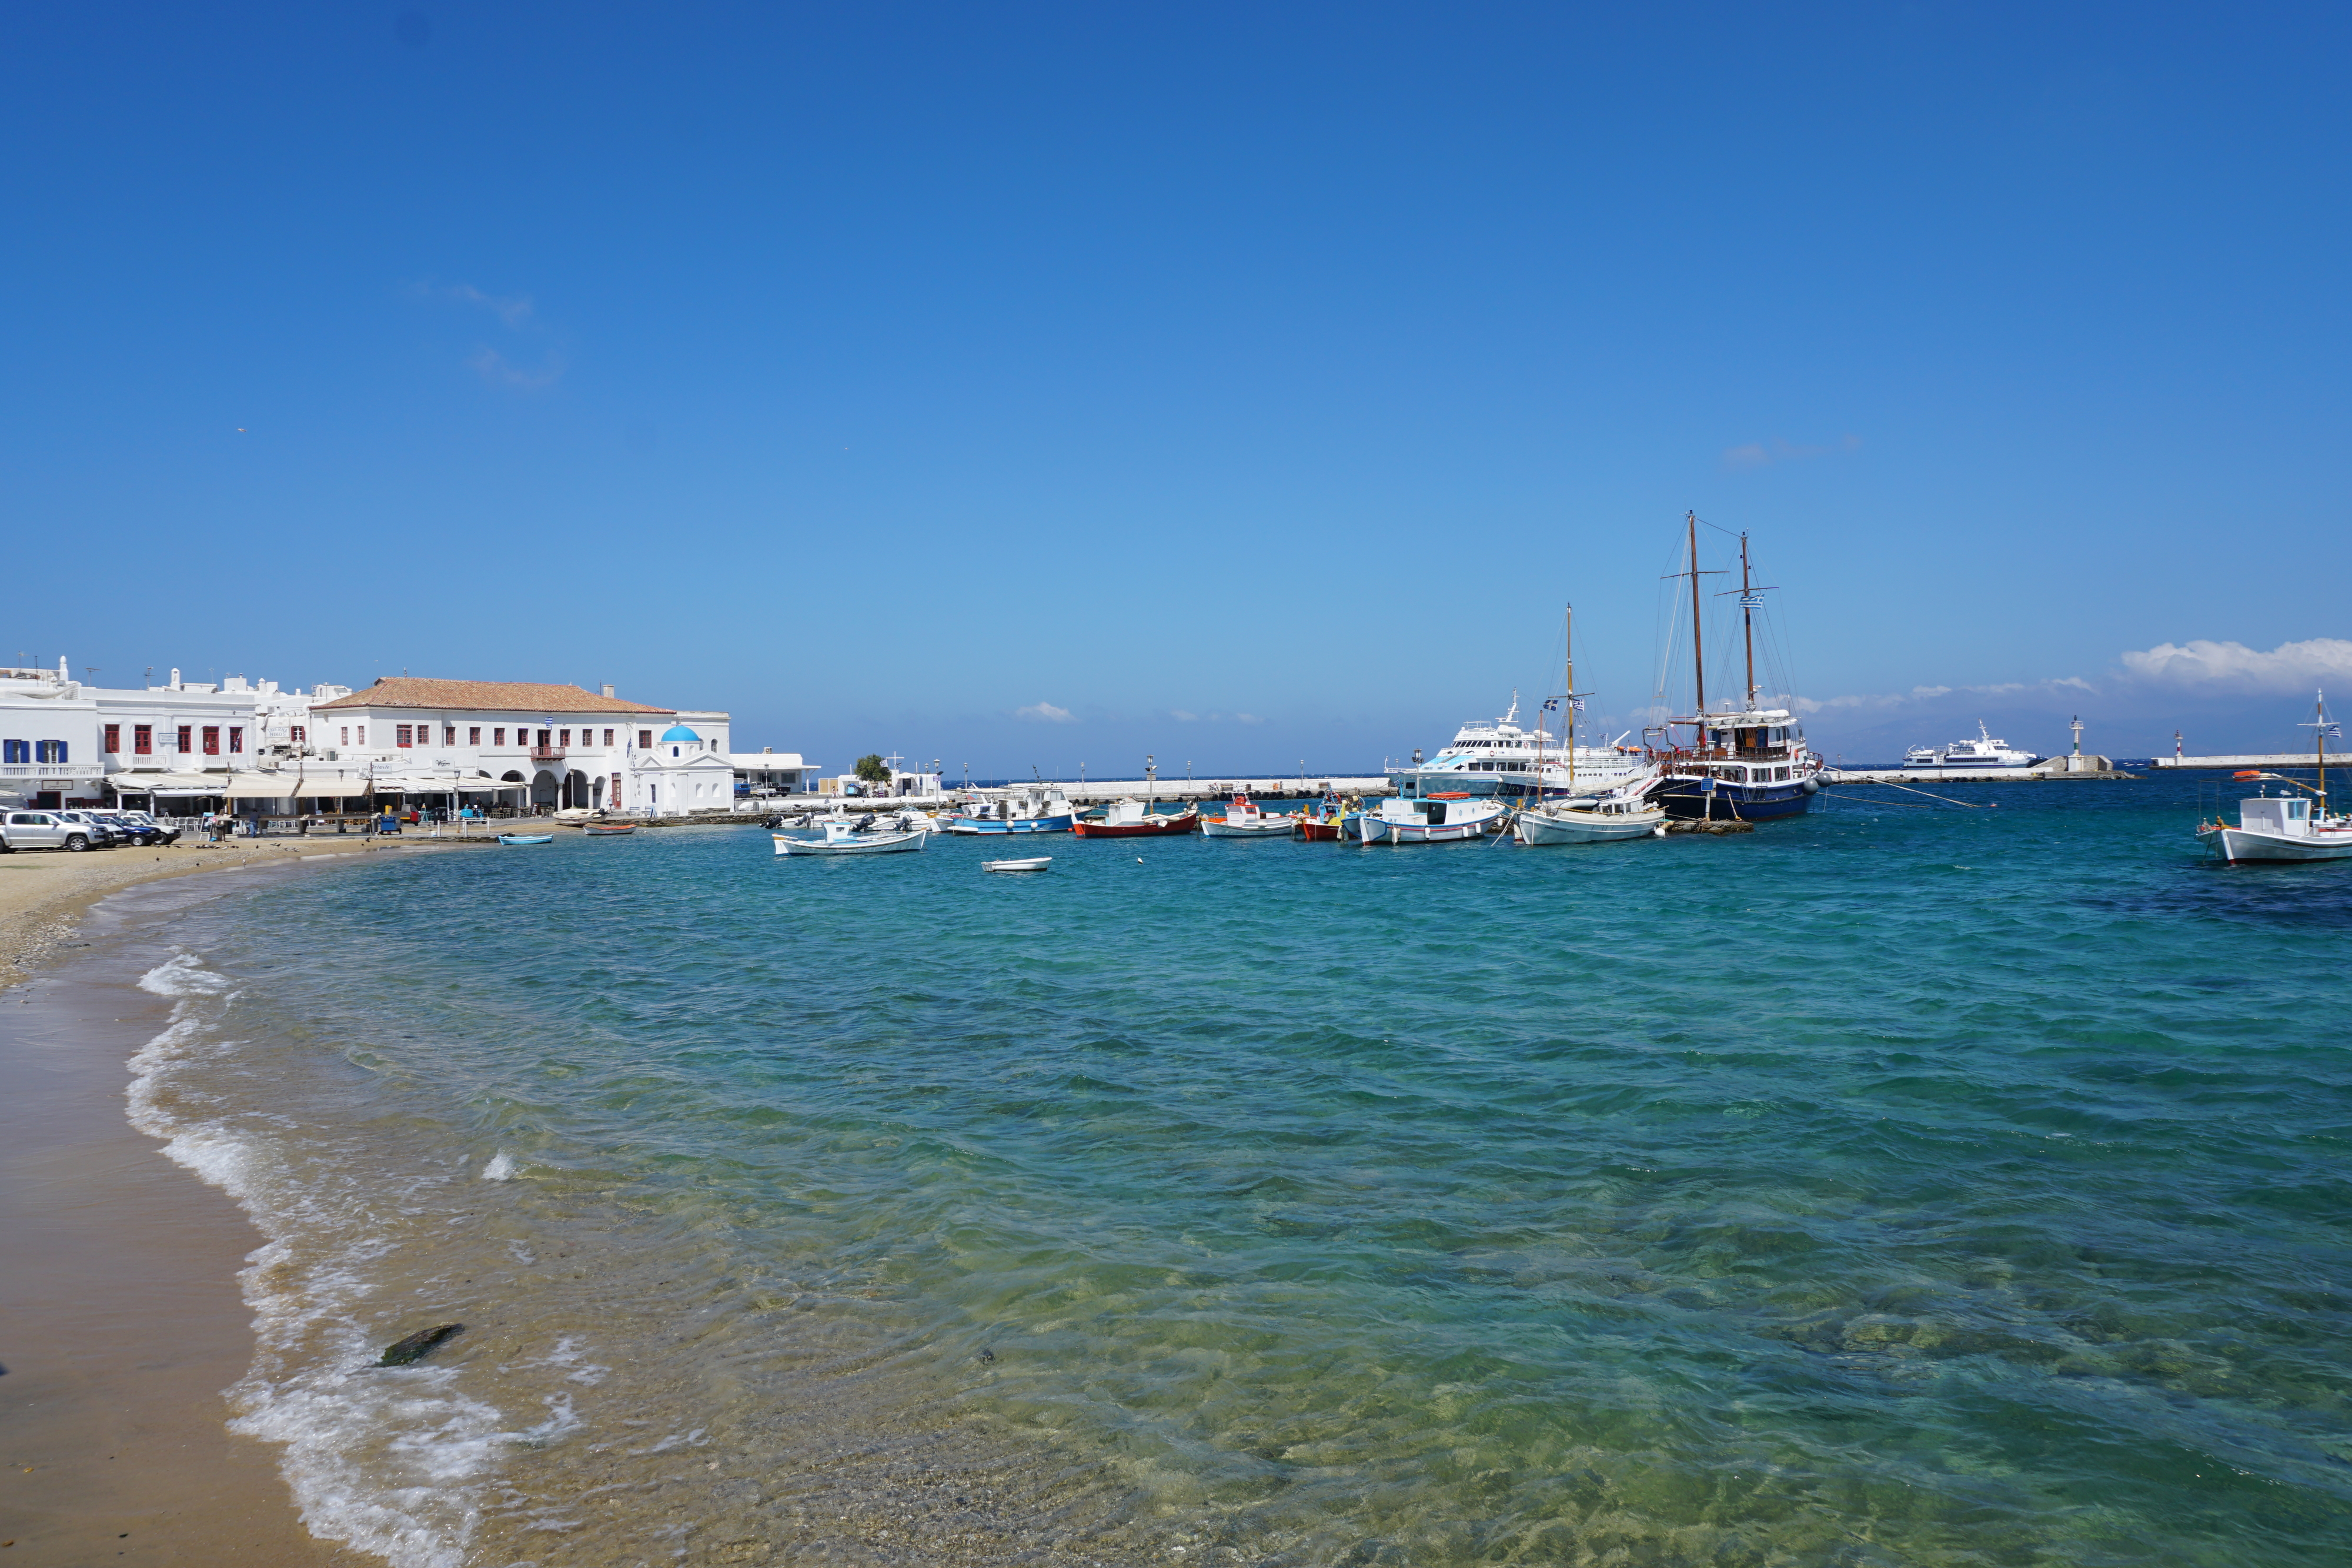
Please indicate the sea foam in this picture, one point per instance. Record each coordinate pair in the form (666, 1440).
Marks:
(388, 1460)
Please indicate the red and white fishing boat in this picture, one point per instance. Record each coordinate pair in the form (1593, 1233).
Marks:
(1244, 819)
(1131, 820)
(1325, 820)
(608, 830)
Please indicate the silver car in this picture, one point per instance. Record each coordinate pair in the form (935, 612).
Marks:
(90, 824)
(42, 831)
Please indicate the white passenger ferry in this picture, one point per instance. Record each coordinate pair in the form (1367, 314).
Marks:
(1985, 751)
(1497, 757)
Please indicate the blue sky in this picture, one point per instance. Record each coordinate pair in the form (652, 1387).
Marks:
(1049, 384)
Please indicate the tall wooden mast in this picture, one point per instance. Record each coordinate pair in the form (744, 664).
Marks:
(1568, 715)
(1747, 620)
(1698, 652)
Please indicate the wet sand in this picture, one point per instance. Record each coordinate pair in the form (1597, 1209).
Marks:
(120, 1320)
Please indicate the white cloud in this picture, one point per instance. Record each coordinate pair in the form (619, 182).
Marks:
(1045, 713)
(499, 372)
(514, 311)
(1182, 716)
(1884, 700)
(1763, 453)
(2289, 666)
(1249, 719)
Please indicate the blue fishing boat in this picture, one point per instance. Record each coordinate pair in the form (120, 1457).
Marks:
(1027, 810)
(526, 838)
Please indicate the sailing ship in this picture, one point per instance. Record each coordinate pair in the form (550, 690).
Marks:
(2285, 827)
(1749, 762)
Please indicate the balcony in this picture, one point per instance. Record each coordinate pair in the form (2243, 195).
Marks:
(547, 753)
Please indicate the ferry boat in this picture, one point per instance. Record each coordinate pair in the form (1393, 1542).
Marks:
(1749, 762)
(1984, 752)
(1498, 759)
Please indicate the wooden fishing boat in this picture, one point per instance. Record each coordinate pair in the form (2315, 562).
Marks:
(1037, 863)
(609, 830)
(1244, 819)
(842, 839)
(1130, 820)
(2284, 827)
(526, 838)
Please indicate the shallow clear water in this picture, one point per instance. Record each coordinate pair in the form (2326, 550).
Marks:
(1888, 1186)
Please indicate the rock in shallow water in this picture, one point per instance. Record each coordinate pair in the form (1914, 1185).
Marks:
(419, 1345)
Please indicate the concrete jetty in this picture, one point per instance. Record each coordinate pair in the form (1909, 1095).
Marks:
(2257, 759)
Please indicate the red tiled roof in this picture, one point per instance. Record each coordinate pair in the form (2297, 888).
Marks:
(493, 696)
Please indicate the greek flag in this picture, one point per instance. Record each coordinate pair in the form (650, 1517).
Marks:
(1549, 703)
(1577, 704)
(1752, 601)
(2334, 732)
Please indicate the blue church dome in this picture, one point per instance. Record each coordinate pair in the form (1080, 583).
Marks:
(679, 731)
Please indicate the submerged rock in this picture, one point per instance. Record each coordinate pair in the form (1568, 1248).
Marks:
(419, 1345)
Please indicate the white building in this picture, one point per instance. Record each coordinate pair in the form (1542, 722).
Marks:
(170, 747)
(771, 772)
(523, 742)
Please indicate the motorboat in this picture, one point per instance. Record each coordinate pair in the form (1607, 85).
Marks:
(2284, 826)
(1325, 819)
(1429, 820)
(1037, 862)
(1035, 808)
(842, 838)
(1623, 813)
(1134, 820)
(1244, 819)
(1745, 761)
(526, 838)
(1984, 752)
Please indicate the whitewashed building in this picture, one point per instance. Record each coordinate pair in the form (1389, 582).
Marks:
(519, 742)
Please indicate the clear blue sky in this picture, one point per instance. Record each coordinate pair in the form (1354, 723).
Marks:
(880, 371)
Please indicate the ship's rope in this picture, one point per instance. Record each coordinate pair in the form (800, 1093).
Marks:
(1883, 784)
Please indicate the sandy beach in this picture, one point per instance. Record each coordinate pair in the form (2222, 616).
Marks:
(122, 1318)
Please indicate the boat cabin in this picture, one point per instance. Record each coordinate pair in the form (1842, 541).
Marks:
(2289, 816)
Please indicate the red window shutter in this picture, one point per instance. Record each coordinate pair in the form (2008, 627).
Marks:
(188, 738)
(212, 741)
(113, 739)
(236, 738)
(142, 739)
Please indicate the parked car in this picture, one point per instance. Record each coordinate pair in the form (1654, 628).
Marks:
(42, 831)
(160, 834)
(124, 827)
(101, 835)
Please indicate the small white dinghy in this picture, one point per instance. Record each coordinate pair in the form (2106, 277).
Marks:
(842, 839)
(1039, 863)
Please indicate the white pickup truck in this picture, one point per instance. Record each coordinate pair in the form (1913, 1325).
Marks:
(42, 831)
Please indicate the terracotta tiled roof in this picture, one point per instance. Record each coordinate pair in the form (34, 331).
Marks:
(488, 696)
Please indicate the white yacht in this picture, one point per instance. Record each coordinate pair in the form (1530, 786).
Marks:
(1497, 757)
(1986, 751)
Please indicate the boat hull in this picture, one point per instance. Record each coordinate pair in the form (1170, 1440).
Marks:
(860, 844)
(1537, 828)
(1372, 828)
(1039, 863)
(1268, 827)
(1321, 832)
(2237, 844)
(526, 838)
(1687, 799)
(985, 826)
(1150, 828)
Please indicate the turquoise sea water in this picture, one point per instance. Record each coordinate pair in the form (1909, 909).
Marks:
(1887, 1187)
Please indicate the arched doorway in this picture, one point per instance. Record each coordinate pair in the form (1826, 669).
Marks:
(544, 791)
(577, 790)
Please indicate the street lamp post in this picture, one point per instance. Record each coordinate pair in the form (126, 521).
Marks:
(1150, 780)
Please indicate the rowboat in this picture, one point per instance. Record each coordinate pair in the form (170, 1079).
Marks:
(608, 831)
(526, 838)
(1244, 820)
(842, 839)
(1129, 819)
(1039, 863)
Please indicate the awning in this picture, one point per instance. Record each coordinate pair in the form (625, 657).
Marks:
(287, 787)
(430, 784)
(140, 783)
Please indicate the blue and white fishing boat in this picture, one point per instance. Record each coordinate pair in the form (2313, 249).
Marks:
(843, 838)
(1428, 820)
(1748, 762)
(1035, 810)
(526, 838)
